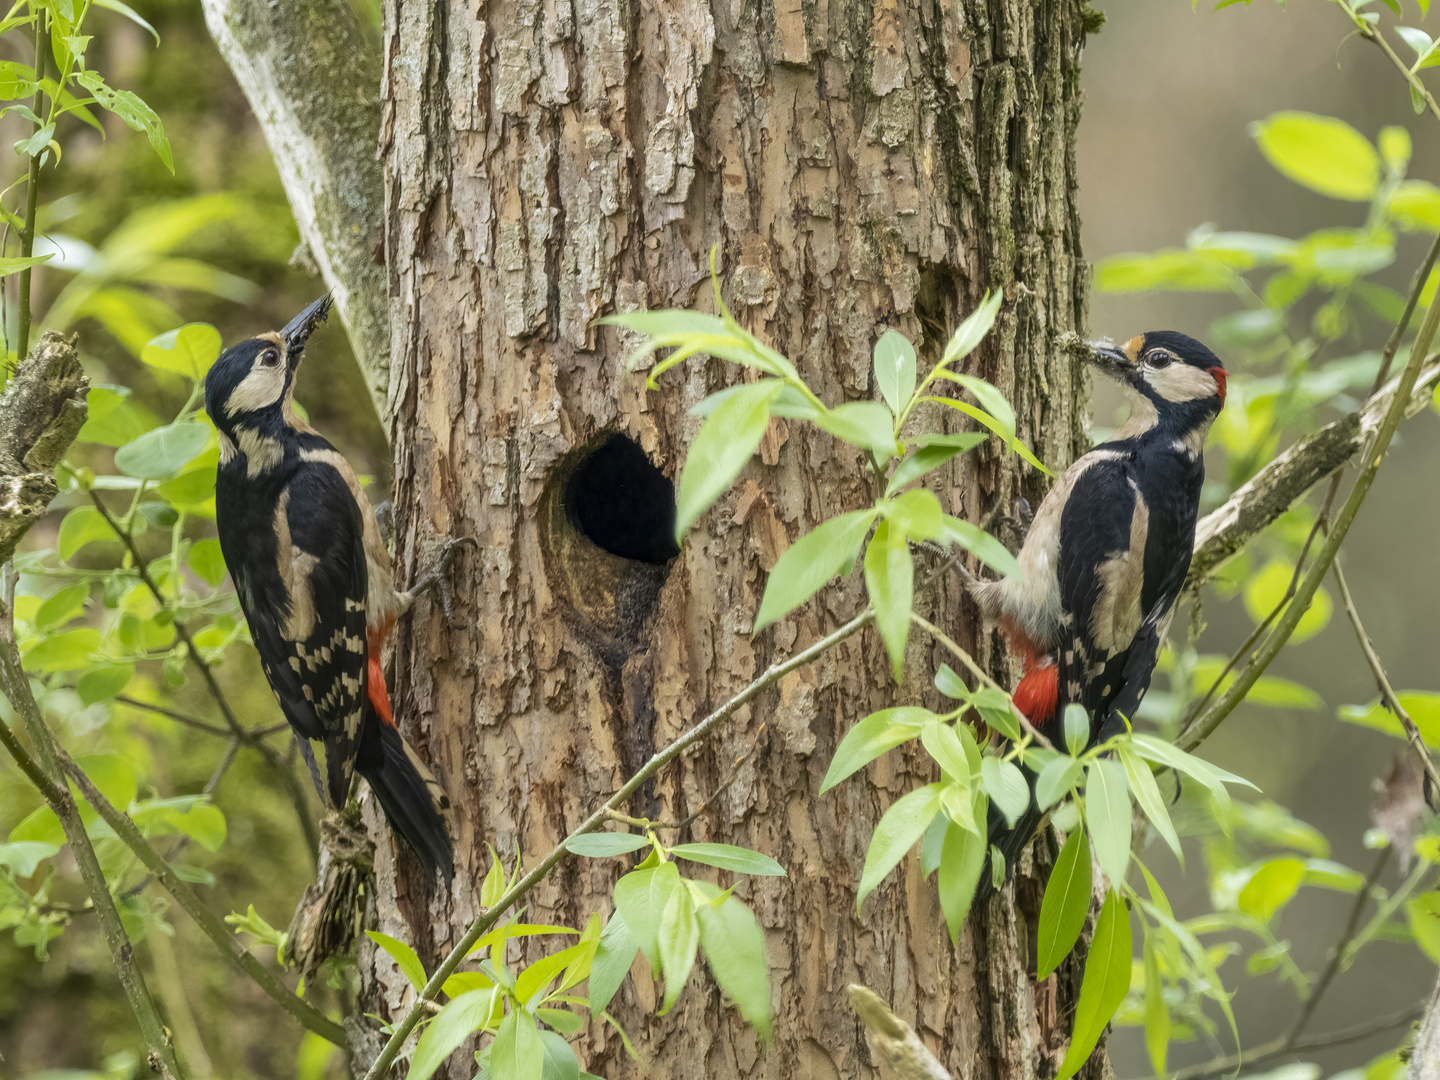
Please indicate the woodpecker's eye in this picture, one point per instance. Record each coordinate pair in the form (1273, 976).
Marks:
(269, 358)
(1158, 358)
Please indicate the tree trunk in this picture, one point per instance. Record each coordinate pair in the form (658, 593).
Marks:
(858, 166)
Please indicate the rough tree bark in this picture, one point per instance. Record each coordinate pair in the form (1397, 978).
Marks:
(861, 164)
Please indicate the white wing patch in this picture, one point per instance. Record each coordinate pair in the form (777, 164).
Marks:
(1116, 616)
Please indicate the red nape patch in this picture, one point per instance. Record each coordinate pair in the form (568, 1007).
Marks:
(1039, 690)
(380, 697)
(1218, 374)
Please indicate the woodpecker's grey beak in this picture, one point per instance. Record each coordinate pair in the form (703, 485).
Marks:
(1111, 359)
(298, 330)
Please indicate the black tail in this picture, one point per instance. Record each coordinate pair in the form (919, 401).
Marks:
(1012, 842)
(414, 802)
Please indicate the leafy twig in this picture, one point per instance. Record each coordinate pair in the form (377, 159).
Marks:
(32, 193)
(697, 734)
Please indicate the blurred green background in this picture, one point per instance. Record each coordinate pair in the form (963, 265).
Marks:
(1164, 147)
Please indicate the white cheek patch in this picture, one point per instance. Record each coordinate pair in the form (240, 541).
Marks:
(1182, 382)
(262, 388)
(1142, 416)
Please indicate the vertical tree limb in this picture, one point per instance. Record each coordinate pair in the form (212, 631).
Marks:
(313, 81)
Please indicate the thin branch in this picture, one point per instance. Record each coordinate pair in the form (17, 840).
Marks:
(1275, 1048)
(211, 926)
(1387, 692)
(1374, 453)
(122, 953)
(179, 718)
(32, 193)
(1369, 33)
(1417, 285)
(697, 734)
(1337, 954)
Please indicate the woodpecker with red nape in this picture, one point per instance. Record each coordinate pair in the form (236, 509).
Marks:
(316, 582)
(1107, 553)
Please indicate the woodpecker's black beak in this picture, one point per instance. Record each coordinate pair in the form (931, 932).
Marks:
(1112, 360)
(298, 330)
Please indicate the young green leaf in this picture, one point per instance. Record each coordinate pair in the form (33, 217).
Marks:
(996, 709)
(916, 513)
(188, 351)
(1077, 729)
(1065, 905)
(728, 857)
(163, 452)
(873, 736)
(640, 897)
(1056, 779)
(942, 744)
(1271, 887)
(980, 544)
(404, 956)
(105, 682)
(810, 562)
(129, 108)
(935, 452)
(599, 845)
(1104, 986)
(973, 330)
(895, 834)
(10, 266)
(542, 972)
(560, 1061)
(895, 369)
(1321, 153)
(866, 424)
(1107, 813)
(518, 1052)
(1212, 776)
(962, 859)
(890, 580)
(1147, 794)
(679, 937)
(453, 1024)
(722, 447)
(950, 684)
(613, 958)
(1157, 1014)
(1006, 786)
(735, 952)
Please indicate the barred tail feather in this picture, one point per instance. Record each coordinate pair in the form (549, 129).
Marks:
(414, 803)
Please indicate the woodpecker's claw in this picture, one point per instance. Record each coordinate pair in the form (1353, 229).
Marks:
(438, 577)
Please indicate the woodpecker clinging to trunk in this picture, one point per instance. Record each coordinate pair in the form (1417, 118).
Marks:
(315, 581)
(1108, 551)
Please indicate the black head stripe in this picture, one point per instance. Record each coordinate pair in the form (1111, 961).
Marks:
(1184, 348)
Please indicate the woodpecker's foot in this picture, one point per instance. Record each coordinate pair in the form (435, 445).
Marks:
(385, 518)
(438, 576)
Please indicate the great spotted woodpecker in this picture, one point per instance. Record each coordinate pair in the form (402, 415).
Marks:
(1108, 550)
(316, 583)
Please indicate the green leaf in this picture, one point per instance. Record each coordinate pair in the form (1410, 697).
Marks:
(727, 857)
(68, 651)
(404, 956)
(962, 859)
(1265, 590)
(193, 491)
(113, 419)
(560, 1061)
(1077, 729)
(1107, 813)
(640, 898)
(61, 606)
(562, 1020)
(973, 330)
(1321, 153)
(129, 108)
(10, 266)
(188, 350)
(131, 14)
(723, 446)
(24, 857)
(104, 683)
(933, 454)
(1157, 1013)
(679, 937)
(518, 1052)
(1065, 904)
(112, 775)
(1212, 776)
(1104, 986)
(1168, 269)
(453, 1024)
(208, 562)
(1423, 912)
(1415, 205)
(612, 962)
(815, 558)
(1423, 707)
(82, 525)
(1056, 778)
(868, 425)
(996, 709)
(163, 452)
(600, 845)
(735, 952)
(895, 834)
(39, 826)
(1005, 784)
(1271, 887)
(941, 742)
(917, 514)
(877, 733)
(890, 581)
(895, 370)
(203, 822)
(982, 545)
(1147, 794)
(1395, 149)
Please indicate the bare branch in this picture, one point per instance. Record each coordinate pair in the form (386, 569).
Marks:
(313, 81)
(902, 1055)
(41, 411)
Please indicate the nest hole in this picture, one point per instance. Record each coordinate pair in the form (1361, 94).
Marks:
(622, 503)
